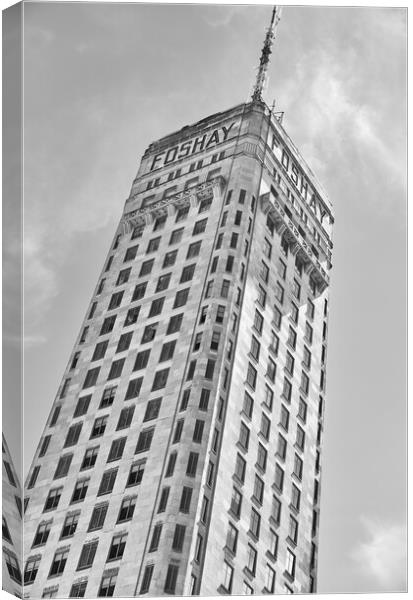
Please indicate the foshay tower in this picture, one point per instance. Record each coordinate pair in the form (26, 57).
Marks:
(182, 452)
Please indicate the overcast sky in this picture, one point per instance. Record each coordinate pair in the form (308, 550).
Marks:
(102, 81)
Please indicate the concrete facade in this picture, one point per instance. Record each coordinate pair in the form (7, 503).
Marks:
(12, 532)
(189, 418)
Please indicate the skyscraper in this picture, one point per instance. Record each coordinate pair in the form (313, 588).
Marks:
(12, 510)
(182, 452)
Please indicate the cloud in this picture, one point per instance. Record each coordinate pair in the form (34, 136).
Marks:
(382, 556)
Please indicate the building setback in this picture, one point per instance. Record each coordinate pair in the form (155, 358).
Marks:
(182, 452)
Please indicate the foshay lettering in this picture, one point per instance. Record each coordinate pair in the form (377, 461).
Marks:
(204, 142)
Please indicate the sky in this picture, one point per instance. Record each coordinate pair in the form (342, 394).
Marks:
(104, 80)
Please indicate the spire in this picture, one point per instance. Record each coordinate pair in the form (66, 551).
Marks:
(265, 55)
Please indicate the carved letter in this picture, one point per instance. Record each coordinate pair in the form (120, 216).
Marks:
(155, 160)
(214, 139)
(198, 142)
(184, 149)
(227, 130)
(168, 158)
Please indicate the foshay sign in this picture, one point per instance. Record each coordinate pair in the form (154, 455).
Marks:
(197, 144)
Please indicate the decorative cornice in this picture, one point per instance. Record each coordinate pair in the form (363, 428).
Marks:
(298, 245)
(147, 214)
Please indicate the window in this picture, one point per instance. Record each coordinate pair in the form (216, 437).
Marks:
(219, 241)
(175, 323)
(139, 291)
(251, 376)
(279, 293)
(144, 440)
(229, 264)
(192, 464)
(302, 410)
(156, 536)
(296, 289)
(59, 562)
(298, 467)
(171, 464)
(193, 249)
(244, 436)
(101, 286)
(247, 590)
(292, 338)
(264, 272)
(185, 399)
(80, 490)
(290, 563)
(271, 370)
(255, 348)
(137, 232)
(240, 466)
(262, 296)
(156, 307)
(277, 316)
(73, 434)
(225, 288)
(116, 449)
(236, 502)
(141, 360)
(99, 426)
(53, 421)
(87, 555)
(123, 276)
(255, 523)
(108, 325)
(153, 246)
(269, 397)
(258, 322)
(97, 519)
(33, 477)
(176, 236)
(132, 316)
(287, 390)
(178, 431)
(284, 418)
(91, 377)
(171, 577)
(279, 478)
(179, 537)
(265, 426)
(258, 489)
(227, 577)
(289, 364)
(232, 538)
(131, 253)
(220, 314)
(152, 409)
(75, 360)
(136, 473)
(270, 579)
(89, 458)
(181, 298)
(248, 405)
(224, 219)
(295, 497)
(149, 333)
(134, 387)
(63, 465)
(199, 227)
(124, 342)
(294, 313)
(84, 335)
(310, 309)
(78, 590)
(251, 559)
(127, 509)
(41, 536)
(308, 333)
(107, 482)
(204, 509)
(209, 370)
(185, 499)
(305, 383)
(238, 217)
(160, 222)
(115, 300)
(164, 499)
(281, 446)
(187, 273)
(107, 585)
(169, 259)
(30, 572)
(300, 439)
(234, 240)
(204, 399)
(146, 579)
(82, 406)
(53, 498)
(262, 457)
(198, 431)
(117, 547)
(146, 267)
(293, 529)
(210, 474)
(197, 342)
(276, 510)
(163, 282)
(307, 358)
(12, 566)
(160, 379)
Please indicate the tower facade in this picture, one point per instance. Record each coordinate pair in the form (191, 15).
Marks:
(12, 531)
(182, 452)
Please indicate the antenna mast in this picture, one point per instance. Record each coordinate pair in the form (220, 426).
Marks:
(265, 55)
